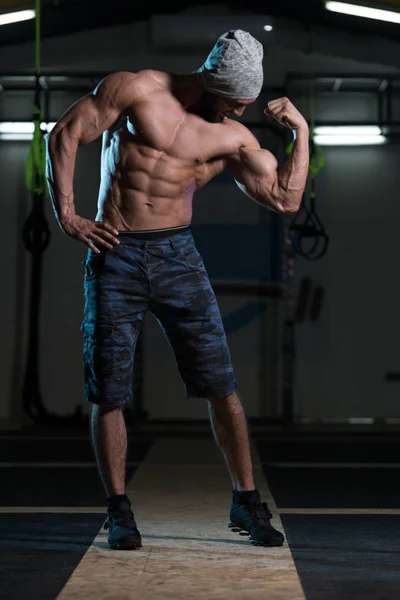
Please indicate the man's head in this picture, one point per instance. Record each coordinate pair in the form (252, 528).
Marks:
(233, 71)
(214, 108)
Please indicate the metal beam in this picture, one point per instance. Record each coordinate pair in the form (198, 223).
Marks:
(64, 81)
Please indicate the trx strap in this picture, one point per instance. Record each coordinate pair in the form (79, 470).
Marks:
(309, 237)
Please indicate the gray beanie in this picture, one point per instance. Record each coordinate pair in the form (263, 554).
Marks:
(233, 68)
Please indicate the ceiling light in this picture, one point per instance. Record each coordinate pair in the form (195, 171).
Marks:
(16, 127)
(363, 11)
(15, 17)
(342, 140)
(20, 130)
(344, 135)
(348, 130)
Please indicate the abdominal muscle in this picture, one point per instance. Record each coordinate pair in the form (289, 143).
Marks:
(143, 189)
(127, 210)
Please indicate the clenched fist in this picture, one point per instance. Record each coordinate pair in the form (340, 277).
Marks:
(286, 113)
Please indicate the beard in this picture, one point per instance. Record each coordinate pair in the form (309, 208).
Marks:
(208, 109)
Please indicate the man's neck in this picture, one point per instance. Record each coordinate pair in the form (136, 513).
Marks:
(187, 89)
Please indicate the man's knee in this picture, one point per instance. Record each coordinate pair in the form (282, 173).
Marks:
(226, 398)
(231, 402)
(100, 411)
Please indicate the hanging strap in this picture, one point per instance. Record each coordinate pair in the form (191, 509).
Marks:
(37, 37)
(309, 238)
(35, 169)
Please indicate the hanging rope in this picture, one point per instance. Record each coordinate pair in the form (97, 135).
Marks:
(36, 237)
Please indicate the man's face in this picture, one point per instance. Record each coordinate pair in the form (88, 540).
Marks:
(215, 109)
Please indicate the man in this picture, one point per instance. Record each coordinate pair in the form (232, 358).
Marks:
(164, 137)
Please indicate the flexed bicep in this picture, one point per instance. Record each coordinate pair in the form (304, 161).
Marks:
(253, 168)
(255, 172)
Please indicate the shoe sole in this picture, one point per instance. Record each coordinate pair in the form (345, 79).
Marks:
(128, 545)
(235, 529)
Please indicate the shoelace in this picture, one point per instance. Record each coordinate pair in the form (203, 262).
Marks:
(119, 516)
(261, 512)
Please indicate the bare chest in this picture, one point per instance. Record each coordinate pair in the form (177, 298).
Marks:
(178, 134)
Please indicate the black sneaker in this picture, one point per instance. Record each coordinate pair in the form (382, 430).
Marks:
(253, 517)
(123, 533)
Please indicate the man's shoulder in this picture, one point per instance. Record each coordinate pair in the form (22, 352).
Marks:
(152, 76)
(125, 89)
(240, 134)
(135, 84)
(240, 130)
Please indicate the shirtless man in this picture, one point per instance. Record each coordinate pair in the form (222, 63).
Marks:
(164, 137)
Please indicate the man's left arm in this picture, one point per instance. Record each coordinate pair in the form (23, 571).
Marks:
(256, 170)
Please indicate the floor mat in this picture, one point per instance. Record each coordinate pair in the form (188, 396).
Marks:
(61, 449)
(346, 557)
(334, 487)
(38, 553)
(58, 486)
(329, 450)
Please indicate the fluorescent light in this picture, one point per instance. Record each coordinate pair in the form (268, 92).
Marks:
(345, 135)
(268, 28)
(350, 140)
(363, 11)
(15, 137)
(16, 127)
(15, 17)
(354, 130)
(21, 131)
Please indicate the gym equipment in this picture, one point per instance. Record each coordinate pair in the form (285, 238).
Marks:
(36, 236)
(309, 237)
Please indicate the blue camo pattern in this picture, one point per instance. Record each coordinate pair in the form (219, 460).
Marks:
(166, 276)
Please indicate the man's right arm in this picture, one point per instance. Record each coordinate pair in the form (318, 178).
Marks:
(84, 122)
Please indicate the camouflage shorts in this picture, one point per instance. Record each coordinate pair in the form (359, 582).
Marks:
(167, 276)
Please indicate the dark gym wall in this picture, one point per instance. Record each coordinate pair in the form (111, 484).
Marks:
(341, 359)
